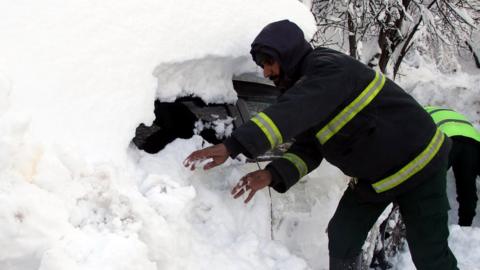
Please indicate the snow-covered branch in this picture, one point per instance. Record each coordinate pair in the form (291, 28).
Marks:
(394, 24)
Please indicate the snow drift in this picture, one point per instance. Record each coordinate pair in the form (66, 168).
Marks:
(76, 78)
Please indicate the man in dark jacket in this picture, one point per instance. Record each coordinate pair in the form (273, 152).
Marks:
(464, 158)
(339, 109)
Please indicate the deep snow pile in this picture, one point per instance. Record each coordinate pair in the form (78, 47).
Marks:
(54, 54)
(76, 78)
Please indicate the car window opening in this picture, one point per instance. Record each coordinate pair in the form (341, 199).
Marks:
(180, 119)
(189, 116)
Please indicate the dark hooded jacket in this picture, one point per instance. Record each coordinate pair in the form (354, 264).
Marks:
(391, 131)
(289, 50)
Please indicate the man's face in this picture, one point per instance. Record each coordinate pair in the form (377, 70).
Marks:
(271, 70)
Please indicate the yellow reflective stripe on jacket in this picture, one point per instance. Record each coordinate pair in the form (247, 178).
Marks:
(298, 162)
(413, 167)
(339, 121)
(453, 123)
(269, 129)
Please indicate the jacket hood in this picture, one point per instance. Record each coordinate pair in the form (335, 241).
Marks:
(283, 41)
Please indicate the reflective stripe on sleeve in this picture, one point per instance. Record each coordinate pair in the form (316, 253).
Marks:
(268, 128)
(298, 162)
(431, 110)
(349, 112)
(444, 116)
(456, 121)
(412, 167)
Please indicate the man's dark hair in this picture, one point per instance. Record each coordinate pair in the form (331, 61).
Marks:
(261, 58)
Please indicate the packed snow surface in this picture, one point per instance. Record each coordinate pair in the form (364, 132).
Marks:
(77, 77)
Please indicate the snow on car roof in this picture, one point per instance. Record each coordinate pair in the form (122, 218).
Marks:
(69, 59)
(76, 78)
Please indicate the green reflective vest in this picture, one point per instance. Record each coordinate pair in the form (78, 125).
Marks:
(453, 123)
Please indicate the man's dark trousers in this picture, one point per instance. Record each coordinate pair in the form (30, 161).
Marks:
(465, 161)
(424, 210)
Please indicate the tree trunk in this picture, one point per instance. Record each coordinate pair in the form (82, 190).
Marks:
(476, 57)
(352, 36)
(385, 50)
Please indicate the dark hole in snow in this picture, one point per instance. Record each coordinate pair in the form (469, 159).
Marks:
(177, 119)
(172, 121)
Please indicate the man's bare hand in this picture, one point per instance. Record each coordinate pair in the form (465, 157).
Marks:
(253, 181)
(218, 153)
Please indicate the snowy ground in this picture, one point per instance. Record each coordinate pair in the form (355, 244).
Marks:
(77, 77)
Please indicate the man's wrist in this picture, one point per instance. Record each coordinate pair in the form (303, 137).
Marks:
(269, 177)
(225, 149)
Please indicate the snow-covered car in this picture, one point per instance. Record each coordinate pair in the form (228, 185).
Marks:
(76, 79)
(187, 116)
